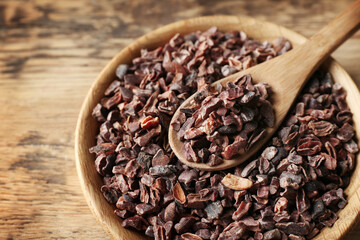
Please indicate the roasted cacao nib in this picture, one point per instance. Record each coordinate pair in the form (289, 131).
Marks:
(301, 228)
(135, 222)
(184, 224)
(144, 160)
(290, 190)
(214, 210)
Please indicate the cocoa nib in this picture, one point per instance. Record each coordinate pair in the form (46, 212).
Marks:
(135, 222)
(234, 230)
(301, 228)
(184, 224)
(214, 210)
(178, 193)
(144, 160)
(290, 190)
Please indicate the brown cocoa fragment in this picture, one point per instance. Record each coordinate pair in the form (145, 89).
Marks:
(143, 140)
(214, 160)
(322, 128)
(160, 158)
(149, 122)
(318, 209)
(195, 201)
(144, 160)
(308, 146)
(302, 202)
(295, 158)
(274, 185)
(149, 231)
(105, 148)
(110, 194)
(184, 224)
(162, 171)
(159, 232)
(301, 228)
(144, 208)
(99, 113)
(178, 193)
(190, 236)
(234, 148)
(274, 234)
(281, 205)
(112, 101)
(263, 192)
(204, 155)
(121, 183)
(168, 197)
(135, 222)
(203, 233)
(189, 152)
(161, 185)
(249, 168)
(227, 130)
(121, 70)
(155, 197)
(233, 231)
(122, 213)
(351, 147)
(170, 212)
(241, 211)
(295, 237)
(131, 168)
(282, 217)
(329, 162)
(214, 210)
(192, 133)
(147, 180)
(268, 113)
(330, 198)
(168, 226)
(345, 133)
(144, 193)
(126, 94)
(269, 153)
(288, 179)
(296, 183)
(187, 125)
(188, 176)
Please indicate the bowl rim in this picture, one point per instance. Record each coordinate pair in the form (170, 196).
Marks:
(131, 49)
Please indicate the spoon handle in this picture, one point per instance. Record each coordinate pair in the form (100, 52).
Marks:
(338, 30)
(300, 63)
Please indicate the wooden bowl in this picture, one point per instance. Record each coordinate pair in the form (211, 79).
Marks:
(87, 127)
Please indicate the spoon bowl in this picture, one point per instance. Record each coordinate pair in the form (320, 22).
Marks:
(286, 75)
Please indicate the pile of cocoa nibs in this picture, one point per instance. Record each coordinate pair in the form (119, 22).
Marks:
(226, 120)
(291, 190)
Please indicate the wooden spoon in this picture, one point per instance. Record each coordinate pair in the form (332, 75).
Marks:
(286, 75)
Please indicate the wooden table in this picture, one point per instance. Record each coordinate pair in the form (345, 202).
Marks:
(50, 53)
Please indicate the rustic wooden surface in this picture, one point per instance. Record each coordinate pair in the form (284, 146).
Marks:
(50, 53)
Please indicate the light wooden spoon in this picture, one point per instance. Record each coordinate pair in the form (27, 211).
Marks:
(286, 76)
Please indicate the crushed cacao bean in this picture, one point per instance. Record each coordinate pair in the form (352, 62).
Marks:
(291, 190)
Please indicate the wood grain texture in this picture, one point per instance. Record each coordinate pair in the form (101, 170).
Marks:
(50, 53)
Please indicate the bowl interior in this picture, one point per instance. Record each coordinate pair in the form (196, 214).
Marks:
(87, 127)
